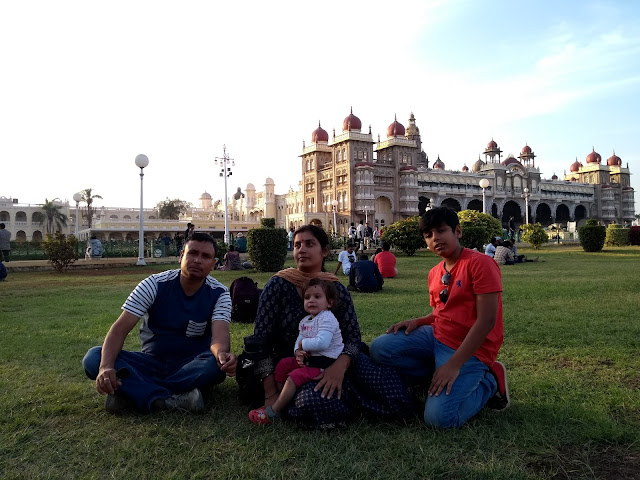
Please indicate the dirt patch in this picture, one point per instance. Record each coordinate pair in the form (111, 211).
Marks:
(610, 462)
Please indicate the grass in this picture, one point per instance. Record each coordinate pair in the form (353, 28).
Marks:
(572, 340)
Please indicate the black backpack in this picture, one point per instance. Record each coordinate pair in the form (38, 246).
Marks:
(249, 380)
(244, 300)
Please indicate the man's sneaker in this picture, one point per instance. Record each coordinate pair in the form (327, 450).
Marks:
(117, 403)
(192, 401)
(501, 399)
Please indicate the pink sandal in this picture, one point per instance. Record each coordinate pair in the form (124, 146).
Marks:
(263, 416)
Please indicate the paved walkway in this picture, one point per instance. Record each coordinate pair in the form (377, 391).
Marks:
(33, 265)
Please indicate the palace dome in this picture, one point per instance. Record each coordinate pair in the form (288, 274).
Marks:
(412, 128)
(465, 168)
(554, 177)
(575, 166)
(438, 164)
(396, 129)
(319, 135)
(526, 150)
(205, 195)
(594, 157)
(250, 186)
(478, 164)
(351, 122)
(614, 160)
(510, 160)
(492, 145)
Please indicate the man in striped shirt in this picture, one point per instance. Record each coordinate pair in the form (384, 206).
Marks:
(184, 336)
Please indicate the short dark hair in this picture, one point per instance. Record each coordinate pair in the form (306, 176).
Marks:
(203, 237)
(328, 288)
(507, 243)
(438, 216)
(232, 247)
(363, 256)
(386, 246)
(1, 225)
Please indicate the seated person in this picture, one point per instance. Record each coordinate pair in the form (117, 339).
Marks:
(386, 261)
(517, 258)
(184, 336)
(94, 250)
(232, 259)
(346, 258)
(490, 249)
(453, 349)
(504, 255)
(364, 276)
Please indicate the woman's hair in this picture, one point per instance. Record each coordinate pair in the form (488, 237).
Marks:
(319, 234)
(328, 288)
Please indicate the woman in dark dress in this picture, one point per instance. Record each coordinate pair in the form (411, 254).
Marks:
(353, 383)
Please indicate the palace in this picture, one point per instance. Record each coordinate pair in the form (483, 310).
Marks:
(351, 177)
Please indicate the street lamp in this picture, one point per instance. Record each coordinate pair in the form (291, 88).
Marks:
(141, 162)
(526, 195)
(335, 207)
(77, 197)
(366, 216)
(484, 183)
(225, 172)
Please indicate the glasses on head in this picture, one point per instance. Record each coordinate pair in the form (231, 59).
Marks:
(444, 293)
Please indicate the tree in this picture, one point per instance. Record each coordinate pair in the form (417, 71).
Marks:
(172, 209)
(88, 197)
(55, 219)
(534, 234)
(404, 235)
(478, 228)
(61, 250)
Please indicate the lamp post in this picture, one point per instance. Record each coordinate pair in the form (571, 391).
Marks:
(77, 197)
(366, 214)
(225, 172)
(335, 207)
(484, 183)
(526, 195)
(141, 162)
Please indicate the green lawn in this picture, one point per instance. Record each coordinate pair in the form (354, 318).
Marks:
(572, 337)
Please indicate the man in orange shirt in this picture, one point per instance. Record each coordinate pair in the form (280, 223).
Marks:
(386, 261)
(458, 342)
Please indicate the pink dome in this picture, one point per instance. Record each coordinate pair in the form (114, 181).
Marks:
(351, 122)
(438, 164)
(614, 160)
(594, 157)
(465, 168)
(554, 177)
(509, 161)
(526, 150)
(575, 166)
(319, 135)
(396, 129)
(492, 144)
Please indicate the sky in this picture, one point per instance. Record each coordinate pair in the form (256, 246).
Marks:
(87, 86)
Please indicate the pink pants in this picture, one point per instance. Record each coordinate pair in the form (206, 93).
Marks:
(288, 367)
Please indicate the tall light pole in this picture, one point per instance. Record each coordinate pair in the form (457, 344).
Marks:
(141, 161)
(366, 214)
(335, 207)
(77, 197)
(526, 195)
(225, 171)
(484, 183)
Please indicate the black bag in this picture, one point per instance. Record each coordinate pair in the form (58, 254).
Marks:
(245, 295)
(249, 380)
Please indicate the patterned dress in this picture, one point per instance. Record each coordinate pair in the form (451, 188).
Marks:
(367, 388)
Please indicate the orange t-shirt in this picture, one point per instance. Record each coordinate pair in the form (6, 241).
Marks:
(386, 262)
(473, 274)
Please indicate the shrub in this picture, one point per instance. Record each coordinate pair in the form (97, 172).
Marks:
(404, 235)
(61, 250)
(478, 228)
(634, 235)
(222, 249)
(267, 246)
(592, 236)
(534, 234)
(616, 236)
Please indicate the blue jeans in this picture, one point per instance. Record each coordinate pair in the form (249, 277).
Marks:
(151, 379)
(415, 355)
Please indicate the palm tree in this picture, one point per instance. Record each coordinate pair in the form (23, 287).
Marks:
(56, 220)
(88, 198)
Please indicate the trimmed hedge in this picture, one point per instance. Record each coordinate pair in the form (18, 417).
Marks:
(616, 236)
(534, 235)
(592, 236)
(267, 246)
(473, 236)
(404, 235)
(634, 235)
